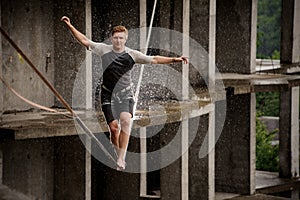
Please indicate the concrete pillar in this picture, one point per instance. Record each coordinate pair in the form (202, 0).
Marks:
(143, 176)
(290, 32)
(289, 133)
(171, 176)
(185, 160)
(200, 176)
(30, 25)
(235, 149)
(143, 132)
(170, 17)
(185, 96)
(185, 47)
(211, 85)
(69, 55)
(110, 184)
(28, 167)
(1, 85)
(88, 99)
(88, 170)
(69, 168)
(88, 57)
(236, 36)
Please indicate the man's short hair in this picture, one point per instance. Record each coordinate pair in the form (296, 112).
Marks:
(119, 28)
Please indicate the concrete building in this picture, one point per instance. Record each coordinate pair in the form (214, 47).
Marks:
(45, 156)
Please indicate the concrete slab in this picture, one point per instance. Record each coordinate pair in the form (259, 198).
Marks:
(227, 196)
(258, 197)
(222, 195)
(259, 82)
(39, 124)
(269, 182)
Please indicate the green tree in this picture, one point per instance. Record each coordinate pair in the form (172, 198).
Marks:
(267, 103)
(267, 155)
(268, 28)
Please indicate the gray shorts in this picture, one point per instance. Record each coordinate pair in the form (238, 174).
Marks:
(113, 105)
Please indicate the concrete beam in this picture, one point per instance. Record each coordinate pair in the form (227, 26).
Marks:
(290, 32)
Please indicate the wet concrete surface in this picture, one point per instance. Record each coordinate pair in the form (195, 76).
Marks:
(39, 124)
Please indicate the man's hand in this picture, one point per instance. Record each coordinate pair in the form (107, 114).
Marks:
(82, 39)
(183, 59)
(66, 20)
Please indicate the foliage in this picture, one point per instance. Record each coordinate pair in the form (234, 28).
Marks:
(267, 155)
(267, 103)
(268, 28)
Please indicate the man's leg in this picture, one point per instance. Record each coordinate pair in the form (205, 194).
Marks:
(125, 120)
(115, 133)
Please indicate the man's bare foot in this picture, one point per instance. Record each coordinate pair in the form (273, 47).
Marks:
(121, 164)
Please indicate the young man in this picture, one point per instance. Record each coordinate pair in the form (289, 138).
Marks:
(116, 92)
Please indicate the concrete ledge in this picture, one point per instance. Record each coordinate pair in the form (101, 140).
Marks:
(269, 182)
(258, 197)
(40, 124)
(262, 82)
(148, 197)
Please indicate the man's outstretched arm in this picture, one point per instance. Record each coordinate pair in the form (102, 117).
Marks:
(82, 39)
(168, 60)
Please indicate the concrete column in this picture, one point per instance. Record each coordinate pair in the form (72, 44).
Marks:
(290, 32)
(143, 176)
(252, 148)
(185, 47)
(185, 96)
(199, 172)
(143, 130)
(69, 55)
(185, 160)
(236, 36)
(110, 184)
(88, 99)
(34, 36)
(88, 170)
(171, 176)
(69, 168)
(28, 167)
(235, 149)
(88, 57)
(1, 85)
(211, 85)
(289, 133)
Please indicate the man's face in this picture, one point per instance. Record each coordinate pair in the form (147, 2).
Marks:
(118, 41)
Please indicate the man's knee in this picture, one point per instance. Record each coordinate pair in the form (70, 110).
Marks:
(125, 123)
(125, 126)
(114, 127)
